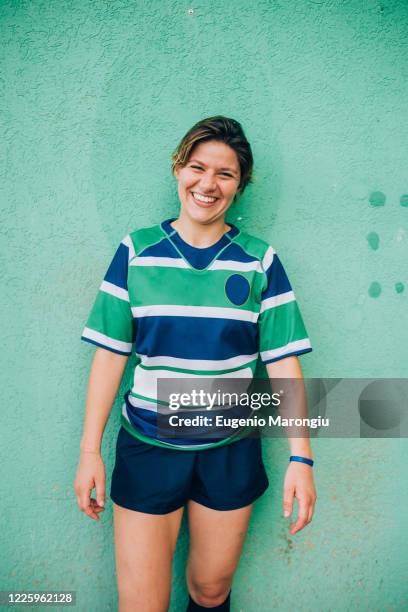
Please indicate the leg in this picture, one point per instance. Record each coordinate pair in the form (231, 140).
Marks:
(216, 540)
(144, 548)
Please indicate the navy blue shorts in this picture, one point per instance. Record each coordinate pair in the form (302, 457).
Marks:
(159, 480)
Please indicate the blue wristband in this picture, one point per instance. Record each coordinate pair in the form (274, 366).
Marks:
(301, 459)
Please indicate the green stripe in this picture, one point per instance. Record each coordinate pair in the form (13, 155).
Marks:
(148, 399)
(111, 316)
(145, 237)
(154, 442)
(255, 247)
(202, 373)
(160, 285)
(280, 325)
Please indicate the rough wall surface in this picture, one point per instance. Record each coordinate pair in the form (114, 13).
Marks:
(95, 96)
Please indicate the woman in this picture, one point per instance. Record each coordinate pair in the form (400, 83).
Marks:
(196, 297)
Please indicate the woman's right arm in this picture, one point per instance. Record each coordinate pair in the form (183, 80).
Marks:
(104, 381)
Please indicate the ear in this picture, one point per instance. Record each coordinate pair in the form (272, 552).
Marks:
(176, 171)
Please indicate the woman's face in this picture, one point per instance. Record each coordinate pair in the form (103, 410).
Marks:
(208, 182)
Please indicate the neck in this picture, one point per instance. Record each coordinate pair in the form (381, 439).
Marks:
(200, 235)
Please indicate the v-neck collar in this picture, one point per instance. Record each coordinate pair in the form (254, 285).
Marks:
(187, 252)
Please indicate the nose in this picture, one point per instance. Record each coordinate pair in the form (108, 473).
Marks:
(208, 182)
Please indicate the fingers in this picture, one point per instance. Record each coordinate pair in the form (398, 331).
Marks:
(288, 497)
(306, 507)
(302, 518)
(90, 475)
(88, 505)
(100, 492)
(311, 511)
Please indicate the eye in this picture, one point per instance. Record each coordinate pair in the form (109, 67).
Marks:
(226, 174)
(196, 167)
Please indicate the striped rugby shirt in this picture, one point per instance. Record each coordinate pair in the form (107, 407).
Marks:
(191, 312)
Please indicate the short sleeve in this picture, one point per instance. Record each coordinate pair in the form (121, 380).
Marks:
(110, 321)
(281, 329)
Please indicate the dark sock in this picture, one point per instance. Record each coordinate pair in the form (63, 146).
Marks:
(194, 607)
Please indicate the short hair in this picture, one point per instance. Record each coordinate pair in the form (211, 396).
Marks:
(222, 129)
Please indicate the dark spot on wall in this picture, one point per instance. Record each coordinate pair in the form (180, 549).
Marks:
(381, 405)
(374, 290)
(399, 287)
(404, 200)
(377, 198)
(373, 240)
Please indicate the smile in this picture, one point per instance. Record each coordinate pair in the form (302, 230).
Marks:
(203, 199)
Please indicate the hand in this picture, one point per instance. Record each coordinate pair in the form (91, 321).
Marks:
(299, 483)
(90, 474)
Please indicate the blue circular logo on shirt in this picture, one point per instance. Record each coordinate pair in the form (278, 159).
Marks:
(237, 289)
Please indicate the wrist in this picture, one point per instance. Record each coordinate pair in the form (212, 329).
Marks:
(302, 454)
(90, 444)
(89, 448)
(302, 450)
(301, 459)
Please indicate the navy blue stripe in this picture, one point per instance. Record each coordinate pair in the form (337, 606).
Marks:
(195, 337)
(300, 352)
(164, 248)
(278, 281)
(199, 258)
(104, 346)
(236, 253)
(118, 269)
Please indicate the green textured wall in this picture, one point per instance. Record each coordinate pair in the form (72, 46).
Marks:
(94, 97)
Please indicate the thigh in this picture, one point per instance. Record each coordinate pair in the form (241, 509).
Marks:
(229, 477)
(216, 541)
(144, 548)
(150, 479)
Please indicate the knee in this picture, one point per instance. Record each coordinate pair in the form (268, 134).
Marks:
(210, 594)
(132, 600)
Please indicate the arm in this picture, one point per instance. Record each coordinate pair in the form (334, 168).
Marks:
(290, 368)
(104, 380)
(299, 481)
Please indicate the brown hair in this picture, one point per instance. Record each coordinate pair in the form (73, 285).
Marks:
(224, 130)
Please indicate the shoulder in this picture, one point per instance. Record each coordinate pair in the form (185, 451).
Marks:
(139, 239)
(257, 248)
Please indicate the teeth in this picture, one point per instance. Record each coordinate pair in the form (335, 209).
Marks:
(202, 198)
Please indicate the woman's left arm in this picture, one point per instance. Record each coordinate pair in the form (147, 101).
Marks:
(299, 480)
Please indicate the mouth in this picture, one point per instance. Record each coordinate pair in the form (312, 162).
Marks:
(202, 200)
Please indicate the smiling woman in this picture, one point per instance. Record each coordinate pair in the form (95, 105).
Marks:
(218, 129)
(207, 184)
(195, 298)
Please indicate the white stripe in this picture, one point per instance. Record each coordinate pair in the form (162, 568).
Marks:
(297, 345)
(215, 312)
(127, 241)
(277, 300)
(145, 382)
(150, 405)
(138, 402)
(240, 266)
(268, 258)
(125, 347)
(114, 290)
(197, 364)
(164, 262)
(124, 412)
(153, 406)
